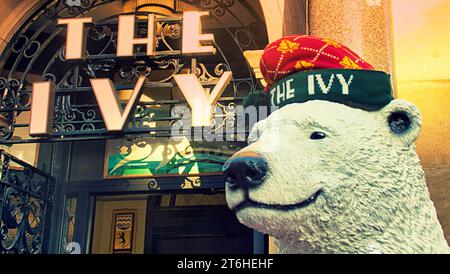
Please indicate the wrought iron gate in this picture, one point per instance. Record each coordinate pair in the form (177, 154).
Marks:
(26, 195)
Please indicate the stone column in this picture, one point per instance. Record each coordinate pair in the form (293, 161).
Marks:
(362, 25)
(294, 17)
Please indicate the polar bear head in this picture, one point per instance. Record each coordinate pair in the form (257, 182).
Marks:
(324, 177)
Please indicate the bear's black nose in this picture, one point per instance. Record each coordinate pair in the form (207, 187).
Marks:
(248, 171)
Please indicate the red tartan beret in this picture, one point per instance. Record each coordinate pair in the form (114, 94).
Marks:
(299, 68)
(297, 53)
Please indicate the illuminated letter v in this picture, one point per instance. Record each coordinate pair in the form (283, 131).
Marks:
(115, 118)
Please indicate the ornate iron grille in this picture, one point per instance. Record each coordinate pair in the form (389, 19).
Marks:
(26, 196)
(38, 52)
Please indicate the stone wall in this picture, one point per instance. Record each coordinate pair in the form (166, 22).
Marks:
(422, 69)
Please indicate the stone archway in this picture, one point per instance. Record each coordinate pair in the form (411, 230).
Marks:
(15, 12)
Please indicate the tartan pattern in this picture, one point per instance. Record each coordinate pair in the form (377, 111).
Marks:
(296, 53)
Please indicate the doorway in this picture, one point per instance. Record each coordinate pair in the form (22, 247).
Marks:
(111, 223)
(190, 223)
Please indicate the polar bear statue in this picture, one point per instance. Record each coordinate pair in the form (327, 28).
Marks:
(330, 175)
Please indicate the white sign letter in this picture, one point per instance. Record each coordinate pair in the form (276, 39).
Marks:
(75, 41)
(43, 107)
(108, 101)
(125, 36)
(192, 34)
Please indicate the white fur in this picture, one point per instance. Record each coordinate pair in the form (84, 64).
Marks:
(374, 196)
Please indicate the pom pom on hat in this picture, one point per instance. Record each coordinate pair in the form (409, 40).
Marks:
(257, 99)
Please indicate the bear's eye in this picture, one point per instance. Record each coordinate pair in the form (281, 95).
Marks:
(317, 135)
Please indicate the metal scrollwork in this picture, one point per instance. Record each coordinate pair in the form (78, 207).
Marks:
(10, 91)
(220, 7)
(153, 184)
(204, 76)
(27, 196)
(225, 118)
(39, 50)
(168, 31)
(70, 118)
(77, 7)
(191, 182)
(69, 217)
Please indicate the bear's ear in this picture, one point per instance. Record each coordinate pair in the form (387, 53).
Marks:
(403, 119)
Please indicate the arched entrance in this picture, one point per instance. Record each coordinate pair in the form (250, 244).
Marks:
(94, 168)
(37, 53)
